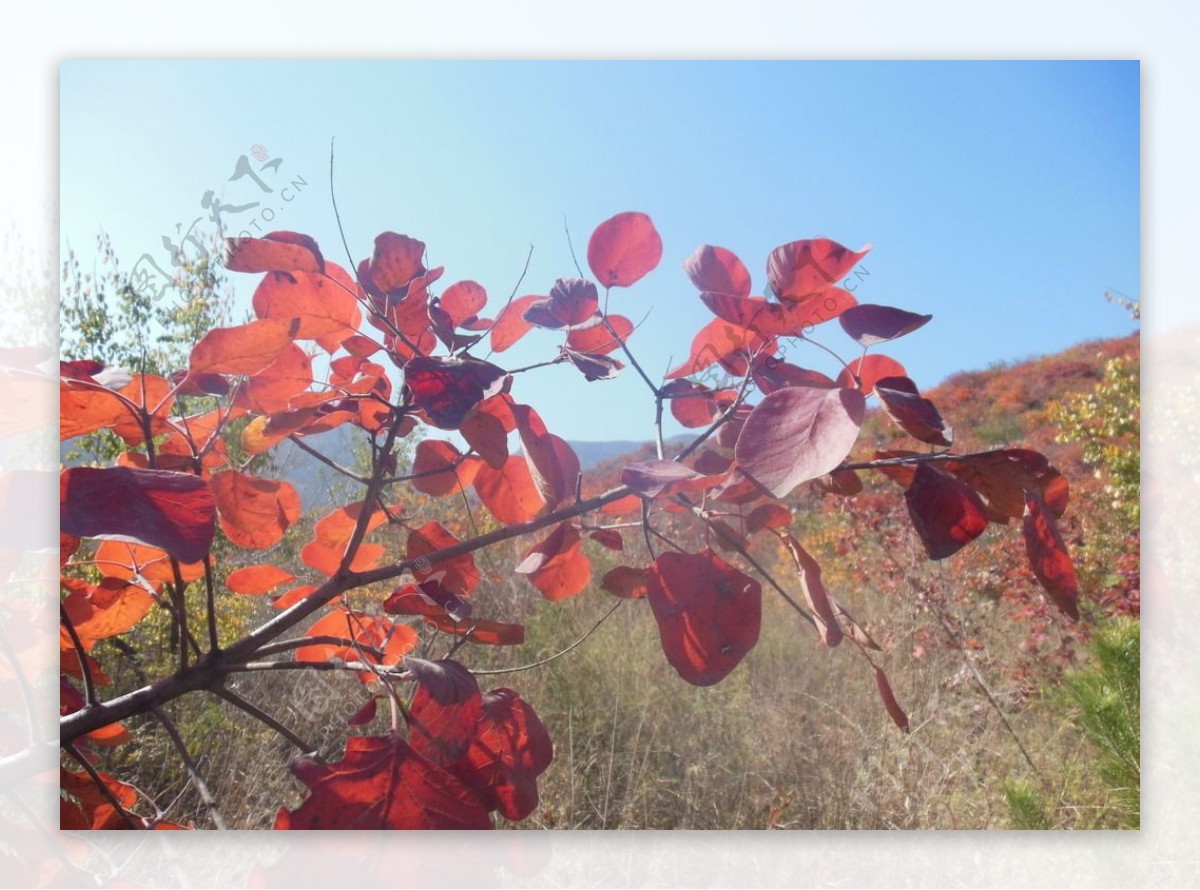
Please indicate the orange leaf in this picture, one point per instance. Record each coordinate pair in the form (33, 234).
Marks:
(245, 349)
(254, 512)
(256, 580)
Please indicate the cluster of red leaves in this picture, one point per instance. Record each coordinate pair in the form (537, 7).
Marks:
(468, 754)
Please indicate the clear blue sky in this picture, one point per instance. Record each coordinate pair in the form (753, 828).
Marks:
(1003, 197)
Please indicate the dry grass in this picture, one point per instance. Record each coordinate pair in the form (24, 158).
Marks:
(794, 738)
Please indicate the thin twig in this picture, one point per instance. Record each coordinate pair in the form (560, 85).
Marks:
(556, 655)
(320, 640)
(299, 442)
(89, 685)
(263, 717)
(206, 796)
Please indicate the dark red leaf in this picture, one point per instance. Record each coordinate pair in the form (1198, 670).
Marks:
(652, 478)
(1048, 556)
(917, 416)
(708, 614)
(771, 374)
(717, 269)
(814, 591)
(1003, 475)
(625, 582)
(594, 367)
(798, 433)
(365, 714)
(772, 516)
(624, 248)
(397, 260)
(869, 324)
(946, 513)
(608, 537)
(447, 388)
(889, 700)
(172, 511)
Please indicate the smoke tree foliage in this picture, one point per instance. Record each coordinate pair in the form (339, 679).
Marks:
(405, 350)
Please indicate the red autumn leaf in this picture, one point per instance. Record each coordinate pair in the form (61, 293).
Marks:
(717, 269)
(458, 575)
(94, 809)
(609, 538)
(445, 712)
(556, 566)
(655, 478)
(597, 339)
(509, 494)
(770, 374)
(100, 611)
(814, 591)
(362, 633)
(510, 751)
(553, 465)
(244, 349)
(333, 532)
(364, 715)
(272, 388)
(798, 433)
(486, 435)
(594, 367)
(361, 346)
(1048, 556)
(623, 506)
(510, 324)
(325, 304)
(381, 783)
(626, 582)
(295, 595)
(86, 409)
(123, 559)
(435, 605)
(946, 513)
(917, 416)
(868, 370)
(716, 341)
(445, 389)
(889, 700)
(771, 516)
(624, 248)
(397, 260)
(257, 580)
(428, 597)
(842, 482)
(274, 252)
(572, 302)
(172, 511)
(1003, 475)
(869, 324)
(800, 270)
(694, 405)
(708, 614)
(254, 512)
(463, 301)
(746, 313)
(439, 469)
(900, 473)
